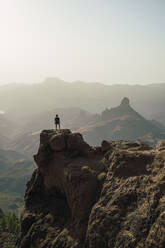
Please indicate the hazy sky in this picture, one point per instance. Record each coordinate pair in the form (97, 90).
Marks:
(109, 41)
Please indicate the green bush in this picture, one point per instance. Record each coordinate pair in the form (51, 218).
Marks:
(11, 223)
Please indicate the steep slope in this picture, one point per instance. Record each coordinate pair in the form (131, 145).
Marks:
(122, 123)
(82, 196)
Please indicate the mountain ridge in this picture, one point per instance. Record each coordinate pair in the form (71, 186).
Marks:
(16, 102)
(121, 122)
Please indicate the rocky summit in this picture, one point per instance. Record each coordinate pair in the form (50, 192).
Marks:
(123, 122)
(110, 196)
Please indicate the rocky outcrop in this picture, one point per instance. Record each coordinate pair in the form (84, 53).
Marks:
(123, 123)
(81, 196)
(124, 109)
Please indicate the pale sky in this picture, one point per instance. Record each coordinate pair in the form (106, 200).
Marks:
(108, 41)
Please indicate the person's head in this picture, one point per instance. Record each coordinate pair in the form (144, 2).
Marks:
(56, 115)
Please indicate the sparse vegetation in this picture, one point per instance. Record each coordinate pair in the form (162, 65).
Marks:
(9, 230)
(101, 176)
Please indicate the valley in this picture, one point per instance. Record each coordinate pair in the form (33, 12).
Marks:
(20, 128)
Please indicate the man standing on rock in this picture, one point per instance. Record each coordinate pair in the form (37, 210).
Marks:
(57, 122)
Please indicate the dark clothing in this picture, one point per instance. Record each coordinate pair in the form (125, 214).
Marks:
(57, 120)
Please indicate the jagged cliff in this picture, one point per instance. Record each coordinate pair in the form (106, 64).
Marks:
(94, 197)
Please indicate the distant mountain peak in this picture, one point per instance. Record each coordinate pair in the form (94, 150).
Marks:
(124, 109)
(125, 102)
(53, 80)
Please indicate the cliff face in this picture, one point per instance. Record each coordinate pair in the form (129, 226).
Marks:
(82, 196)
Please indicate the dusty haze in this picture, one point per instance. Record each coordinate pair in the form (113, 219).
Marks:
(104, 41)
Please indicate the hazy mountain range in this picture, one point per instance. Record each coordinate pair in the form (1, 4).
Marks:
(21, 101)
(97, 111)
(31, 108)
(118, 123)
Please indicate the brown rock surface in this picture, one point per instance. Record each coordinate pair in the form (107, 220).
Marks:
(94, 197)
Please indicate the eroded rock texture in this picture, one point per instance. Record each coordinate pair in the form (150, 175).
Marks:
(94, 197)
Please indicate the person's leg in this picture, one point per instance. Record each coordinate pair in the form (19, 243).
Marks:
(56, 127)
(59, 126)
